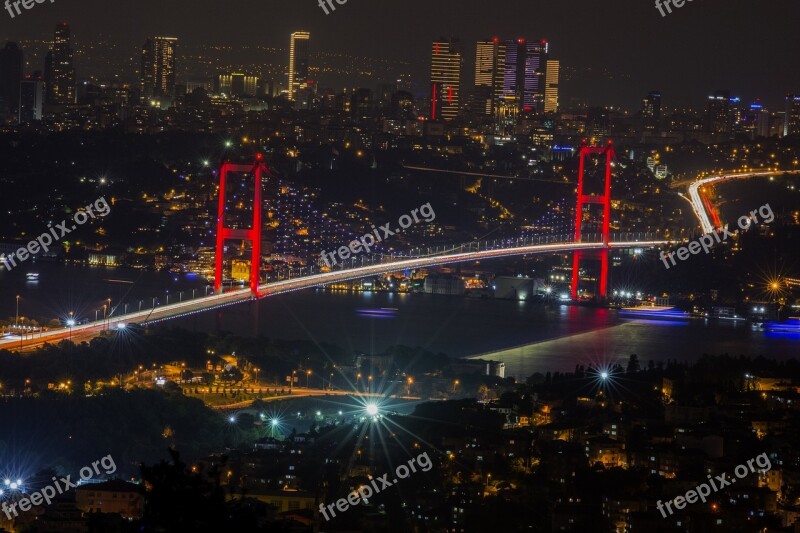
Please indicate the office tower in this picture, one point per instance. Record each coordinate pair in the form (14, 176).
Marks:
(489, 69)
(718, 113)
(10, 76)
(238, 84)
(791, 118)
(551, 86)
(298, 63)
(651, 111)
(157, 77)
(59, 70)
(445, 79)
(758, 120)
(32, 94)
(524, 76)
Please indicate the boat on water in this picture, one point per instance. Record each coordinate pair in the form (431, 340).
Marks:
(791, 325)
(654, 313)
(32, 276)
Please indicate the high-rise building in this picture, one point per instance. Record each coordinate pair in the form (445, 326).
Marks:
(157, 78)
(489, 68)
(10, 76)
(651, 111)
(298, 62)
(32, 95)
(791, 118)
(59, 70)
(238, 84)
(524, 76)
(551, 86)
(445, 79)
(718, 113)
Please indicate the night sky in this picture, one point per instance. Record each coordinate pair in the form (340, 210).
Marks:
(748, 46)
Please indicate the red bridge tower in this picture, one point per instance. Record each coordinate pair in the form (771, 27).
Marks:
(605, 201)
(253, 235)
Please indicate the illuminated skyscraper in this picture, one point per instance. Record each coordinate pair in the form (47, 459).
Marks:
(489, 68)
(445, 79)
(551, 86)
(651, 111)
(158, 68)
(31, 98)
(718, 113)
(524, 76)
(298, 63)
(59, 70)
(10, 76)
(791, 119)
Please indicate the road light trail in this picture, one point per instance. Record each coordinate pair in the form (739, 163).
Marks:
(697, 201)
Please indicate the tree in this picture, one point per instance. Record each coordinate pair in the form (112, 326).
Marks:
(633, 364)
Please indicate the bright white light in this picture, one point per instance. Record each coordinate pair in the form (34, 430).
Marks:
(372, 409)
(14, 486)
(604, 375)
(319, 413)
(70, 322)
(7, 482)
(274, 421)
(340, 413)
(232, 419)
(122, 326)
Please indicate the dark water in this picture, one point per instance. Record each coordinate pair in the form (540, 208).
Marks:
(527, 337)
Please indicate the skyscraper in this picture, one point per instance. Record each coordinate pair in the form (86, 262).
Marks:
(524, 76)
(651, 111)
(157, 78)
(489, 68)
(31, 98)
(59, 70)
(718, 113)
(791, 118)
(551, 86)
(445, 79)
(298, 62)
(10, 76)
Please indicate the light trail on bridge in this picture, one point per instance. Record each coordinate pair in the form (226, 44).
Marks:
(216, 301)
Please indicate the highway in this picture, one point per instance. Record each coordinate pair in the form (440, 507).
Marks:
(697, 202)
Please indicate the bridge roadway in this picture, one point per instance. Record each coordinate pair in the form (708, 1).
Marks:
(88, 331)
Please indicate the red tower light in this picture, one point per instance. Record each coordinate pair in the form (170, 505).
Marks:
(605, 201)
(253, 235)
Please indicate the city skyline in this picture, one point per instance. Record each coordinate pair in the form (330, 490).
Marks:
(648, 58)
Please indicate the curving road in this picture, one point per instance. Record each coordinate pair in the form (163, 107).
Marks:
(697, 202)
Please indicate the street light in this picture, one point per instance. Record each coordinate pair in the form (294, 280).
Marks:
(16, 320)
(70, 324)
(308, 374)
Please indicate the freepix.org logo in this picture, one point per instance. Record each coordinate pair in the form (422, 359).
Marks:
(42, 243)
(27, 4)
